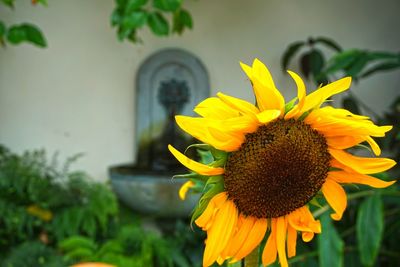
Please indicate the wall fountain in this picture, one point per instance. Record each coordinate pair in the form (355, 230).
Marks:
(168, 83)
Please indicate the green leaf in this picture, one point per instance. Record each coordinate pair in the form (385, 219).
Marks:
(43, 2)
(289, 53)
(134, 5)
(329, 42)
(386, 66)
(312, 63)
(26, 33)
(158, 24)
(9, 3)
(2, 32)
(186, 18)
(134, 20)
(370, 222)
(330, 245)
(116, 17)
(167, 5)
(2, 28)
(382, 55)
(181, 19)
(123, 33)
(357, 65)
(342, 60)
(317, 62)
(74, 242)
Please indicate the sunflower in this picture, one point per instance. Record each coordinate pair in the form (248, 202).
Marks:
(270, 160)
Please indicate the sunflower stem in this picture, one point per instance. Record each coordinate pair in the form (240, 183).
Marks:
(251, 260)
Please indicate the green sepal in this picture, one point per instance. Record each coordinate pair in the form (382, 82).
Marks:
(192, 175)
(304, 115)
(289, 105)
(214, 180)
(217, 154)
(314, 201)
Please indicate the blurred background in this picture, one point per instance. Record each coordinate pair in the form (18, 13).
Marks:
(69, 84)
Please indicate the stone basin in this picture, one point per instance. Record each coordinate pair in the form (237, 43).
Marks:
(151, 193)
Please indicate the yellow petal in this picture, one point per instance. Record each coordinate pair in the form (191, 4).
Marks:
(241, 235)
(268, 115)
(215, 108)
(253, 239)
(302, 219)
(361, 164)
(200, 129)
(281, 230)
(270, 251)
(219, 234)
(333, 122)
(242, 106)
(357, 178)
(193, 165)
(301, 94)
(307, 236)
(336, 197)
(344, 142)
(184, 189)
(316, 98)
(267, 95)
(206, 217)
(247, 69)
(291, 241)
(374, 146)
(225, 141)
(237, 125)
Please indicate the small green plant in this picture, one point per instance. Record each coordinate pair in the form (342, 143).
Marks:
(21, 33)
(41, 201)
(312, 60)
(129, 16)
(132, 246)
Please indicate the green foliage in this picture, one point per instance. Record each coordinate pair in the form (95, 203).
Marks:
(40, 201)
(26, 33)
(359, 63)
(129, 16)
(133, 246)
(22, 33)
(370, 223)
(312, 61)
(53, 217)
(33, 254)
(330, 245)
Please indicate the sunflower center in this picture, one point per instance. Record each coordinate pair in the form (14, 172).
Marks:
(278, 169)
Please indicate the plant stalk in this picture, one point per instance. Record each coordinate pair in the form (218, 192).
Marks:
(252, 259)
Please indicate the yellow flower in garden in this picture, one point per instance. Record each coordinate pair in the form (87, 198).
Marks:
(270, 160)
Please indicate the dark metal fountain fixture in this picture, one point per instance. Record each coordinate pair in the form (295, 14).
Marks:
(169, 82)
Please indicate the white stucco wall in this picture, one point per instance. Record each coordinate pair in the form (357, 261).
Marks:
(78, 94)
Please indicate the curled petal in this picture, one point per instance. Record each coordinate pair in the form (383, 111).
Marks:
(193, 165)
(361, 164)
(184, 189)
(301, 94)
(344, 177)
